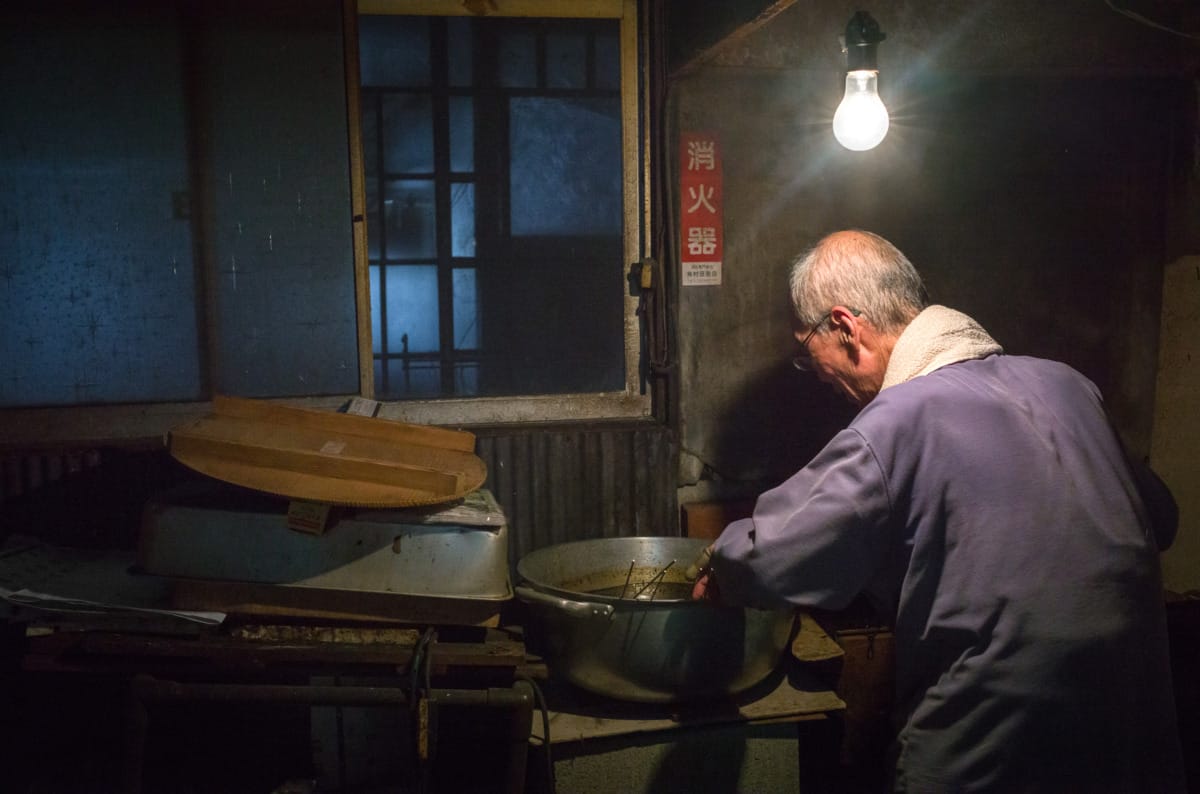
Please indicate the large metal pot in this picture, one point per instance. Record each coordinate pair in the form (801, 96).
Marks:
(615, 617)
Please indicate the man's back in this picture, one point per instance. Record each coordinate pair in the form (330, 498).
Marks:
(1030, 625)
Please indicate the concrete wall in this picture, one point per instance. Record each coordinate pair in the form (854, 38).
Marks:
(1174, 453)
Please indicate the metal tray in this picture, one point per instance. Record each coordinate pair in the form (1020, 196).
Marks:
(212, 531)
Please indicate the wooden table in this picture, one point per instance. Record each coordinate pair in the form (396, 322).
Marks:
(422, 668)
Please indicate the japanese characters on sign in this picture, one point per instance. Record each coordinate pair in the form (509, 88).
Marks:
(702, 236)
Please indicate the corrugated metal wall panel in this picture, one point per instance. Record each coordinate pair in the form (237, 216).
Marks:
(22, 473)
(563, 484)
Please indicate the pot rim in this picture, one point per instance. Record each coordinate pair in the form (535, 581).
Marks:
(579, 595)
(538, 583)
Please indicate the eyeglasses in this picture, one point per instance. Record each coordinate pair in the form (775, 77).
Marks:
(804, 361)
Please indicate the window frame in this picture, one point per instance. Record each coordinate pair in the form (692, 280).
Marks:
(633, 402)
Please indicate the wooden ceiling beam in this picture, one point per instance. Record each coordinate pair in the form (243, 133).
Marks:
(734, 37)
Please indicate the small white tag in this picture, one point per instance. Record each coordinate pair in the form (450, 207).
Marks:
(360, 406)
(333, 447)
(310, 517)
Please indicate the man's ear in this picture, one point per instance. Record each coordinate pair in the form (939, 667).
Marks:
(846, 323)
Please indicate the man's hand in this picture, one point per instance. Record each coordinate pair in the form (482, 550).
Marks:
(705, 588)
(700, 572)
(700, 565)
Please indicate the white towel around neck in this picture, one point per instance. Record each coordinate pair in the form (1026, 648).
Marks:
(936, 337)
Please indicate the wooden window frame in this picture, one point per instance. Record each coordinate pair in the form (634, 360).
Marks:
(633, 402)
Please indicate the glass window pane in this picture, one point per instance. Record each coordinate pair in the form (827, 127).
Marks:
(518, 59)
(376, 327)
(608, 62)
(374, 218)
(414, 378)
(566, 60)
(462, 219)
(561, 178)
(370, 135)
(411, 225)
(466, 309)
(461, 51)
(462, 135)
(393, 50)
(407, 133)
(466, 379)
(578, 191)
(412, 308)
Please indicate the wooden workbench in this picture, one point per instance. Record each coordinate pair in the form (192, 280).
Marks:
(413, 673)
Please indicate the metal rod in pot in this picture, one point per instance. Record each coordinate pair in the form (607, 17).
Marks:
(627, 575)
(654, 580)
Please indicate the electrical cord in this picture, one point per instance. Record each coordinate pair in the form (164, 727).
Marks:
(419, 666)
(541, 703)
(723, 476)
(419, 674)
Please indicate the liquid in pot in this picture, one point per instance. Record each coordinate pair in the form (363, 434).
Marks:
(662, 591)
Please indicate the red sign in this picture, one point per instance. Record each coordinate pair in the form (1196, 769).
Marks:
(701, 236)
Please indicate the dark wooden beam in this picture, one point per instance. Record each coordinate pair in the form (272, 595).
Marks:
(738, 34)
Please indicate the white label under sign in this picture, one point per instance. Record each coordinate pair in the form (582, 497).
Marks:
(701, 274)
(333, 447)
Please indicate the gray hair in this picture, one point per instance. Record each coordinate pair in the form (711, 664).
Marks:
(858, 270)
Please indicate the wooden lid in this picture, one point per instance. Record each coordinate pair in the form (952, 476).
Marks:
(324, 456)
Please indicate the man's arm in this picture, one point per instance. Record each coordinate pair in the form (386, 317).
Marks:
(815, 540)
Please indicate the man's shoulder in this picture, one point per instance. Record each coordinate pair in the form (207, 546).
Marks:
(968, 375)
(955, 386)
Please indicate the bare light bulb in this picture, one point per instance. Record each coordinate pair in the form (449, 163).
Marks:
(861, 120)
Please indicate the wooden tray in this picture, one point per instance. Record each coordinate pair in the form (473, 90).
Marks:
(323, 456)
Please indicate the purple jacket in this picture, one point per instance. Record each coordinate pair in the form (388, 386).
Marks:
(990, 507)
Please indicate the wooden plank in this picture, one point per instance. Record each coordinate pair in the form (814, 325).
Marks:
(358, 200)
(494, 8)
(285, 601)
(100, 650)
(330, 457)
(580, 718)
(341, 634)
(813, 644)
(389, 430)
(263, 448)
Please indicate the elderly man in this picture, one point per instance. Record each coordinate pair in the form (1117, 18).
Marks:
(984, 501)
